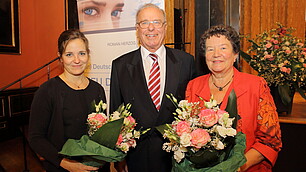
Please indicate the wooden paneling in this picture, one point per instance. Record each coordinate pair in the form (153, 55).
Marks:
(169, 8)
(260, 15)
(189, 32)
(15, 110)
(190, 26)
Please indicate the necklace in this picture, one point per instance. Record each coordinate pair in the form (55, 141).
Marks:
(221, 88)
(77, 85)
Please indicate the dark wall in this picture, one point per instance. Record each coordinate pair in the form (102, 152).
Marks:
(292, 157)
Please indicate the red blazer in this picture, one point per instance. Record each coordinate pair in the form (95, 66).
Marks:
(259, 119)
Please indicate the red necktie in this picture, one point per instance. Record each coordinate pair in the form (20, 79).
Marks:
(154, 82)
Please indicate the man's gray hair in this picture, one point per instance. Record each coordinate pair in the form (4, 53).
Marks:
(147, 6)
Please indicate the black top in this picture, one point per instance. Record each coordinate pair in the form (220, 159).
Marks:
(75, 110)
(59, 112)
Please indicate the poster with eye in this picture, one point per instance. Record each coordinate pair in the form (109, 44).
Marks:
(109, 26)
(103, 16)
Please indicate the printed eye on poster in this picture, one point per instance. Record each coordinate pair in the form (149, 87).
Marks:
(109, 26)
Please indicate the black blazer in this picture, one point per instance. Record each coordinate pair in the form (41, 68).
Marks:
(128, 85)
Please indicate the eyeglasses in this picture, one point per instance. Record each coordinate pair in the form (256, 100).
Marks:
(156, 23)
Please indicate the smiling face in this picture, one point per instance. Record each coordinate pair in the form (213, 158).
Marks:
(219, 53)
(75, 57)
(99, 14)
(151, 37)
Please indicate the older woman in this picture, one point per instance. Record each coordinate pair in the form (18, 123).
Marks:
(60, 106)
(259, 119)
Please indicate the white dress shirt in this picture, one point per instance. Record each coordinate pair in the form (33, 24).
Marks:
(147, 65)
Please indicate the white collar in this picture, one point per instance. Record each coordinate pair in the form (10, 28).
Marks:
(160, 52)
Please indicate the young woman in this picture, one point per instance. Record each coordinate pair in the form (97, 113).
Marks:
(61, 105)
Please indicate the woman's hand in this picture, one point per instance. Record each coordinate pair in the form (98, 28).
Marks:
(74, 166)
(253, 157)
(121, 166)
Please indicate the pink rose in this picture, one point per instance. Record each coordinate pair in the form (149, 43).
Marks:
(208, 117)
(120, 139)
(300, 44)
(267, 56)
(268, 45)
(182, 127)
(276, 46)
(304, 64)
(97, 119)
(283, 69)
(288, 51)
(199, 137)
(275, 41)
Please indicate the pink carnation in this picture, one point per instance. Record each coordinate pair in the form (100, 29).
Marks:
(208, 117)
(284, 69)
(132, 143)
(276, 46)
(269, 57)
(199, 137)
(120, 139)
(130, 121)
(182, 127)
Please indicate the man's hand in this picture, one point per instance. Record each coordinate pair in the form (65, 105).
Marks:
(74, 166)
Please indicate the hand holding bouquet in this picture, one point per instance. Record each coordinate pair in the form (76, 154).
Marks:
(109, 137)
(203, 137)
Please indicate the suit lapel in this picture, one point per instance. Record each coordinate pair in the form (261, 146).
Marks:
(173, 66)
(136, 72)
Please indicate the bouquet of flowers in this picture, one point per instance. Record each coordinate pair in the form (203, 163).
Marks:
(109, 137)
(280, 58)
(203, 137)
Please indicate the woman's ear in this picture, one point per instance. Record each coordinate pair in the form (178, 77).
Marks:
(59, 55)
(236, 57)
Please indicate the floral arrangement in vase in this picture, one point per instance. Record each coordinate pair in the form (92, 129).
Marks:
(280, 58)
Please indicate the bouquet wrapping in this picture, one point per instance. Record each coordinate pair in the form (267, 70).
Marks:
(203, 137)
(109, 137)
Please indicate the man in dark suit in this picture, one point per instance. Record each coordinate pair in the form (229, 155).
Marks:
(130, 84)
